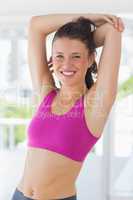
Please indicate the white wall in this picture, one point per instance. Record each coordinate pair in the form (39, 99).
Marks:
(32, 7)
(17, 13)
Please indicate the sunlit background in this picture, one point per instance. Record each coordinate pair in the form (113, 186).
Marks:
(108, 169)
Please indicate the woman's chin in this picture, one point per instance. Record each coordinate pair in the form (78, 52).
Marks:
(69, 82)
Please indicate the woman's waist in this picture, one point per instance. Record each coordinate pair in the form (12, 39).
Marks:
(45, 179)
(47, 173)
(47, 167)
(41, 174)
(57, 190)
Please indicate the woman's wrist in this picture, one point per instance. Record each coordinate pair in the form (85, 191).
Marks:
(47, 24)
(104, 31)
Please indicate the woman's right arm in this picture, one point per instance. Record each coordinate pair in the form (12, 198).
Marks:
(38, 29)
(47, 24)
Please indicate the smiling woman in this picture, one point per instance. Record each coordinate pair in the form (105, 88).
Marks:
(68, 63)
(70, 38)
(75, 56)
(56, 151)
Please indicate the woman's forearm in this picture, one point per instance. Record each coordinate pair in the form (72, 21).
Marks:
(102, 32)
(49, 23)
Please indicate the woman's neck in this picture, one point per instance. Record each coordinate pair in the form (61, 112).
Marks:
(67, 93)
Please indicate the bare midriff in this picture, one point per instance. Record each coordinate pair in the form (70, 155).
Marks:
(48, 175)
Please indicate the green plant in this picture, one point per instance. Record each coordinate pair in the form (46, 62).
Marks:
(12, 110)
(20, 134)
(126, 88)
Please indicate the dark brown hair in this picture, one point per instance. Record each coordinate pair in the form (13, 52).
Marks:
(81, 29)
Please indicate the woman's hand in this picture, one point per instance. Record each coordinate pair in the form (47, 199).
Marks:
(100, 19)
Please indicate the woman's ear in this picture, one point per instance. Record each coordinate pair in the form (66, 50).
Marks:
(91, 59)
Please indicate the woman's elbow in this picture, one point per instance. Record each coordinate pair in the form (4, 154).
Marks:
(34, 22)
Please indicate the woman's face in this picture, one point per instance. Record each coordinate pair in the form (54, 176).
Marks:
(70, 55)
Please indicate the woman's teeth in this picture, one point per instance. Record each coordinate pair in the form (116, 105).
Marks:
(68, 73)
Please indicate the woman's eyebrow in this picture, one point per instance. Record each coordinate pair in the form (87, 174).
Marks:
(72, 52)
(59, 52)
(76, 53)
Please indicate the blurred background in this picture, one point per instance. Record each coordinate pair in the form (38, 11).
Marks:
(107, 173)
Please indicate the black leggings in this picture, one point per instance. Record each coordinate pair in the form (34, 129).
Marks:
(19, 196)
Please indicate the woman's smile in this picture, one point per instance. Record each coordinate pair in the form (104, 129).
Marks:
(68, 74)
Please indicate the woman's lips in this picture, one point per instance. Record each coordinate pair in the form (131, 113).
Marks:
(68, 73)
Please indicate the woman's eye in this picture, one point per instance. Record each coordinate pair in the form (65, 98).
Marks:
(76, 56)
(59, 56)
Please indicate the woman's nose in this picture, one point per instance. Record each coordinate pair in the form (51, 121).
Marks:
(67, 62)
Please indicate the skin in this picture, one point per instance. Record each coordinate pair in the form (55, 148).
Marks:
(48, 175)
(62, 165)
(71, 54)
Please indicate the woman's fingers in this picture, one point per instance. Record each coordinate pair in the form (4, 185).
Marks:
(106, 18)
(115, 21)
(121, 24)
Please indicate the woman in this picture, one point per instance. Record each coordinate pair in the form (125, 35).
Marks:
(70, 119)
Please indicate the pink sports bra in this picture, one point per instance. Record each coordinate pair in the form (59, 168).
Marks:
(65, 134)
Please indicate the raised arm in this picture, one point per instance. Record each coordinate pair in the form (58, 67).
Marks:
(108, 66)
(104, 92)
(39, 28)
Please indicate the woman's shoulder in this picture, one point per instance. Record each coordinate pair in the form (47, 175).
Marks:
(43, 95)
(47, 92)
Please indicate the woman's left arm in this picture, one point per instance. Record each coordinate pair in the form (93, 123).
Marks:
(102, 95)
(108, 66)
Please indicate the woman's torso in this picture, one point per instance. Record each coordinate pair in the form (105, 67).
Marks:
(47, 174)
